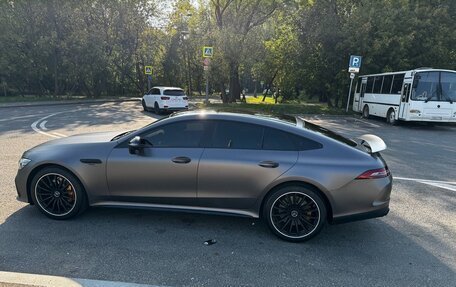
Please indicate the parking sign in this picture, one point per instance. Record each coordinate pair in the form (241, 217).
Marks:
(355, 64)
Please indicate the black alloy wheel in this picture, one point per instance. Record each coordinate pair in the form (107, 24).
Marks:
(295, 213)
(58, 194)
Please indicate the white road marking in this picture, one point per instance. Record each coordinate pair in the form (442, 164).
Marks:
(18, 118)
(57, 281)
(449, 185)
(42, 126)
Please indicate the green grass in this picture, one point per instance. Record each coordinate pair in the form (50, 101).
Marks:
(276, 108)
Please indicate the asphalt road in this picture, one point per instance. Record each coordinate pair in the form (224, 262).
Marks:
(415, 245)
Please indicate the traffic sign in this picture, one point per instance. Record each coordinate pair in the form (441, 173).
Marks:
(352, 75)
(148, 70)
(208, 52)
(355, 64)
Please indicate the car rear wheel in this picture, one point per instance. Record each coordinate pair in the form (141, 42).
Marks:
(366, 112)
(295, 213)
(57, 193)
(157, 108)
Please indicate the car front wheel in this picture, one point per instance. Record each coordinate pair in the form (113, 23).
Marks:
(295, 213)
(57, 193)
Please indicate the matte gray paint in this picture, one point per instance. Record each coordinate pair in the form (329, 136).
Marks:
(216, 180)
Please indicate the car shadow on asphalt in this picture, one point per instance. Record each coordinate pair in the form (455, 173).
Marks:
(156, 247)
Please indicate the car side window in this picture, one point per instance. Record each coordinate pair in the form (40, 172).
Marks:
(155, 91)
(278, 140)
(184, 134)
(237, 135)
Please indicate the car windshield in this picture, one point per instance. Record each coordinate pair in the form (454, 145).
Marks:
(173, 92)
(434, 86)
(124, 134)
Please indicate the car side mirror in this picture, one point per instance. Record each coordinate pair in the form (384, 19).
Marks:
(137, 145)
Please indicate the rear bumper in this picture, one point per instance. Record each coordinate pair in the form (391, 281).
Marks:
(361, 216)
(175, 109)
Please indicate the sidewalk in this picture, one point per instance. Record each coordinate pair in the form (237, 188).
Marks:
(13, 279)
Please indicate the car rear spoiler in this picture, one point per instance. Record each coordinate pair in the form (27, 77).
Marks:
(372, 142)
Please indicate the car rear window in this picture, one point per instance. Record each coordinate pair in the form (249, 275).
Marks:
(173, 92)
(328, 133)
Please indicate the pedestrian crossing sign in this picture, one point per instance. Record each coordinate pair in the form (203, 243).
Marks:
(208, 52)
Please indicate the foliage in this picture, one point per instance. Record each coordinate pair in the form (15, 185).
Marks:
(298, 48)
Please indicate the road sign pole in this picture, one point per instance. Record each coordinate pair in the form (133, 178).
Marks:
(349, 93)
(207, 87)
(148, 82)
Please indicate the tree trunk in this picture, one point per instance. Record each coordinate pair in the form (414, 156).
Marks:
(255, 89)
(222, 93)
(235, 87)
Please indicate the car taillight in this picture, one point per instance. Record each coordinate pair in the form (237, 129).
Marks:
(164, 98)
(185, 98)
(374, 173)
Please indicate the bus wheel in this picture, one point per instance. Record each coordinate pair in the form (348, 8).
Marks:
(391, 117)
(366, 112)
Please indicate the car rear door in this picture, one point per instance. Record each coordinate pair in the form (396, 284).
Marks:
(164, 173)
(235, 168)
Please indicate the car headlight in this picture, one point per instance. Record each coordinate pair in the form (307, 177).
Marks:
(23, 162)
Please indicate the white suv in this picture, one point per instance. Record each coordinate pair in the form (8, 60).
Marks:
(160, 99)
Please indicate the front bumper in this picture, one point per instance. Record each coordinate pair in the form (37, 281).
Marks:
(21, 185)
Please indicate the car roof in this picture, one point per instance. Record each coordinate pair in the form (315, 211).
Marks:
(167, 88)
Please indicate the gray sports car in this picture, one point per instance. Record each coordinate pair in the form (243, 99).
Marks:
(295, 175)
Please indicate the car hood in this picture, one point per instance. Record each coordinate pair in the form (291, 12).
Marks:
(85, 138)
(81, 139)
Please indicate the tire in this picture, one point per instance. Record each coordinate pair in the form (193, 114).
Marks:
(391, 117)
(295, 213)
(156, 108)
(146, 109)
(58, 194)
(366, 112)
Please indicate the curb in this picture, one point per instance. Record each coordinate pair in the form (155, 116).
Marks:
(14, 279)
(70, 102)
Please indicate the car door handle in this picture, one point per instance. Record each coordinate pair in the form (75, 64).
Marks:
(268, 164)
(90, 160)
(181, 159)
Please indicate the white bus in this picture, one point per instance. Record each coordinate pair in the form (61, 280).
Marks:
(423, 94)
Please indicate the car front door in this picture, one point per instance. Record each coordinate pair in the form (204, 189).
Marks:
(163, 173)
(235, 168)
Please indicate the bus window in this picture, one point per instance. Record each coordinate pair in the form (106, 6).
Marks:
(370, 84)
(425, 86)
(377, 85)
(387, 81)
(397, 84)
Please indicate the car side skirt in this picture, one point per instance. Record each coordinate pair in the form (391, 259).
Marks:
(179, 208)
